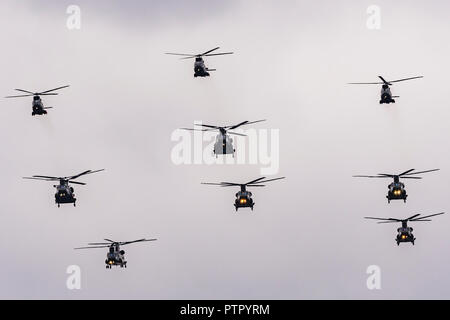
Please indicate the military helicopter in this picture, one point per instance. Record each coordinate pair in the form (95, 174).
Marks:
(244, 197)
(64, 192)
(200, 69)
(405, 233)
(397, 189)
(386, 94)
(115, 256)
(224, 143)
(38, 105)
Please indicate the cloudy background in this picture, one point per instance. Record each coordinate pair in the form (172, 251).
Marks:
(307, 237)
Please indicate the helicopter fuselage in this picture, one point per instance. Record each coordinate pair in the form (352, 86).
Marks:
(386, 95)
(405, 235)
(64, 194)
(38, 106)
(244, 200)
(396, 192)
(223, 145)
(200, 69)
(115, 257)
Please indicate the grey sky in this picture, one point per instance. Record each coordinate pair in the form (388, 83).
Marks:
(306, 237)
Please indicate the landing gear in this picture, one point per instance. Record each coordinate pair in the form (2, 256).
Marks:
(74, 204)
(398, 243)
(59, 205)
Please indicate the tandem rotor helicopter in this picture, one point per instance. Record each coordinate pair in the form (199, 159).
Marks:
(200, 69)
(224, 143)
(38, 105)
(64, 192)
(397, 189)
(244, 197)
(115, 256)
(405, 233)
(386, 94)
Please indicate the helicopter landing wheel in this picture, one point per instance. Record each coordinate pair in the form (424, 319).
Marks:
(74, 204)
(59, 205)
(398, 243)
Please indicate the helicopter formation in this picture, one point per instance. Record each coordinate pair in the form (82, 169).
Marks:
(65, 193)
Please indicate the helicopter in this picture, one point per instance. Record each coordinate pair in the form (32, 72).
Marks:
(64, 192)
(386, 94)
(244, 197)
(38, 105)
(200, 69)
(397, 189)
(405, 233)
(115, 256)
(224, 143)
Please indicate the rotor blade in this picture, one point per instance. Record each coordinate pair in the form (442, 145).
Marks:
(406, 172)
(42, 179)
(237, 125)
(188, 58)
(26, 91)
(382, 79)
(264, 181)
(217, 54)
(84, 173)
(407, 177)
(420, 220)
(365, 83)
(414, 216)
(392, 221)
(181, 54)
(96, 247)
(207, 126)
(256, 180)
(237, 134)
(407, 79)
(59, 88)
(48, 94)
(420, 172)
(256, 185)
(99, 244)
(429, 216)
(109, 240)
(209, 51)
(20, 96)
(76, 182)
(141, 240)
(384, 219)
(204, 130)
(47, 177)
(358, 176)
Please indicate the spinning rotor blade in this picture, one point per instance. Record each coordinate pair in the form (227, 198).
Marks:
(190, 129)
(95, 247)
(237, 134)
(140, 240)
(264, 181)
(411, 177)
(20, 96)
(109, 240)
(366, 83)
(26, 91)
(384, 81)
(411, 218)
(256, 185)
(425, 217)
(42, 179)
(243, 124)
(217, 54)
(406, 172)
(386, 220)
(255, 181)
(407, 79)
(76, 182)
(209, 51)
(59, 88)
(420, 172)
(84, 173)
(99, 244)
(207, 126)
(381, 176)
